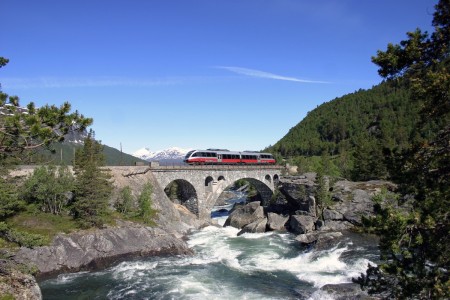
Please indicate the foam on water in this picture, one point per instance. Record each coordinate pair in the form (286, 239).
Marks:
(225, 266)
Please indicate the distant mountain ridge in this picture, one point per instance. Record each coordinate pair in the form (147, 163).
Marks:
(172, 154)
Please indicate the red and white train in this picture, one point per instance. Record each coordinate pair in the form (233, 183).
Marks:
(222, 156)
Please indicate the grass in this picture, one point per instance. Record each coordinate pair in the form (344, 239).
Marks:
(45, 224)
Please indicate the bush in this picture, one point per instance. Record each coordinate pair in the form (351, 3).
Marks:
(21, 238)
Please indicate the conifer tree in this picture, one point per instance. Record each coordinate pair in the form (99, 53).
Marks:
(93, 186)
(415, 243)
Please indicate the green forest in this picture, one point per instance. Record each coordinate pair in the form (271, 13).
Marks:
(352, 132)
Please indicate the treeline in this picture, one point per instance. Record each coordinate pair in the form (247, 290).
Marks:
(354, 132)
(63, 154)
(82, 197)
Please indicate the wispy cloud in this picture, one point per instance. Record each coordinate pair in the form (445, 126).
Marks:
(262, 74)
(61, 82)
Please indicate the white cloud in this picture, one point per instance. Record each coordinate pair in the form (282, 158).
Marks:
(262, 74)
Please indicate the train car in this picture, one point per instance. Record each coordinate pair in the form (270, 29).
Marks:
(223, 156)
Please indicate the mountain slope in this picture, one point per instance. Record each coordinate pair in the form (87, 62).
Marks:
(383, 114)
(64, 153)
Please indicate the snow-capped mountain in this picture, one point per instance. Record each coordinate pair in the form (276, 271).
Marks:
(173, 153)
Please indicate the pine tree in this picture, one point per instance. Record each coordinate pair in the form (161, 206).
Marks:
(415, 243)
(93, 186)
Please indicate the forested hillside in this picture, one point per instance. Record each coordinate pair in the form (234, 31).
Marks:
(64, 154)
(354, 129)
(383, 112)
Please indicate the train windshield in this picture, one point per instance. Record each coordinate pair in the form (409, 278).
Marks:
(189, 154)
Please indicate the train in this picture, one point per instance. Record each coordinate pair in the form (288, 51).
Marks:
(227, 157)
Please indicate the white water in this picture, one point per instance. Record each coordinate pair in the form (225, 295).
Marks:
(225, 266)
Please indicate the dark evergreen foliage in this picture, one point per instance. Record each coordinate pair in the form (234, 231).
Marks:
(93, 186)
(415, 243)
(355, 129)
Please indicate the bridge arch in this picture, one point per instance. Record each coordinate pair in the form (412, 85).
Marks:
(204, 184)
(208, 180)
(182, 192)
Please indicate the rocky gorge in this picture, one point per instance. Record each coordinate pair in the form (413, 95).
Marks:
(293, 210)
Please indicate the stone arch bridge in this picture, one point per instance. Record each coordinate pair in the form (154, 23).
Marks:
(200, 186)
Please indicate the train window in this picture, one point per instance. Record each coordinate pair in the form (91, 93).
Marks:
(214, 154)
(195, 154)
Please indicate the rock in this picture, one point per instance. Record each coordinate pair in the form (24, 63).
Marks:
(242, 215)
(346, 291)
(97, 249)
(16, 284)
(295, 194)
(320, 240)
(224, 197)
(331, 214)
(354, 200)
(335, 226)
(302, 224)
(259, 226)
(276, 222)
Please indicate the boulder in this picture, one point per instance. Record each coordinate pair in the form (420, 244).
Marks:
(276, 221)
(259, 226)
(320, 240)
(242, 215)
(86, 250)
(302, 224)
(346, 291)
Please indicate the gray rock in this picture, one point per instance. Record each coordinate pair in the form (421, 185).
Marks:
(16, 283)
(346, 291)
(98, 249)
(226, 195)
(331, 214)
(302, 224)
(335, 226)
(276, 221)
(242, 215)
(259, 226)
(320, 240)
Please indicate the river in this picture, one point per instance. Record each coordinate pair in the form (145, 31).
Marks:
(269, 265)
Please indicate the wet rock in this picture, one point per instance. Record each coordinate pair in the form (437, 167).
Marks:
(346, 291)
(302, 224)
(320, 240)
(242, 215)
(259, 226)
(276, 221)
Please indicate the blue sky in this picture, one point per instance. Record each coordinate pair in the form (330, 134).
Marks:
(197, 73)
